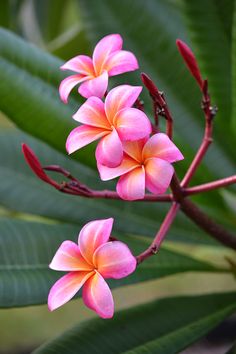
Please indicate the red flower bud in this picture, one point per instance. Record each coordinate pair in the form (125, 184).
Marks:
(36, 167)
(190, 61)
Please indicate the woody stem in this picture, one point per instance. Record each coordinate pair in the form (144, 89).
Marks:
(209, 113)
(155, 245)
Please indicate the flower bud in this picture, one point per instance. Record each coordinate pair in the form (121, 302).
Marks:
(190, 61)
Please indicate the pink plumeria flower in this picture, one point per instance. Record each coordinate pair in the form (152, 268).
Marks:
(89, 263)
(146, 164)
(114, 121)
(108, 60)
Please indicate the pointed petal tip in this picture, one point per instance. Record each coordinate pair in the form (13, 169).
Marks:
(106, 316)
(179, 156)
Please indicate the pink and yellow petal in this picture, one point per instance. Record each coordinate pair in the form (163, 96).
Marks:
(68, 258)
(103, 49)
(131, 186)
(107, 173)
(160, 146)
(81, 64)
(68, 84)
(109, 151)
(132, 124)
(120, 62)
(82, 136)
(158, 175)
(98, 297)
(120, 97)
(134, 148)
(95, 86)
(92, 113)
(66, 287)
(94, 234)
(114, 260)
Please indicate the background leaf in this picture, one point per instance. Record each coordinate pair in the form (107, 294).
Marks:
(50, 16)
(165, 326)
(34, 77)
(209, 26)
(233, 59)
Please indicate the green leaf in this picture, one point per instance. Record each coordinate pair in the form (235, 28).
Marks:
(26, 249)
(5, 14)
(232, 350)
(209, 25)
(29, 92)
(68, 44)
(50, 16)
(233, 58)
(165, 326)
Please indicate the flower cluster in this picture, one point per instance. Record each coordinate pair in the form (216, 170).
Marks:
(125, 148)
(131, 149)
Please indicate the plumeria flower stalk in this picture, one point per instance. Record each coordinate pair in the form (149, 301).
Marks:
(89, 263)
(92, 73)
(114, 121)
(146, 164)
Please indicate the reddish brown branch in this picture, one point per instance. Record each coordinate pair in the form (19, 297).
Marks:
(155, 245)
(139, 105)
(159, 105)
(209, 112)
(61, 170)
(207, 224)
(206, 187)
(107, 194)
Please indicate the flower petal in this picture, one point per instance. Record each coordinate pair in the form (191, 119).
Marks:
(114, 260)
(134, 148)
(81, 64)
(107, 173)
(68, 257)
(92, 113)
(159, 145)
(158, 175)
(81, 136)
(109, 151)
(98, 297)
(66, 287)
(131, 186)
(120, 62)
(106, 46)
(68, 84)
(120, 97)
(95, 86)
(132, 124)
(93, 235)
